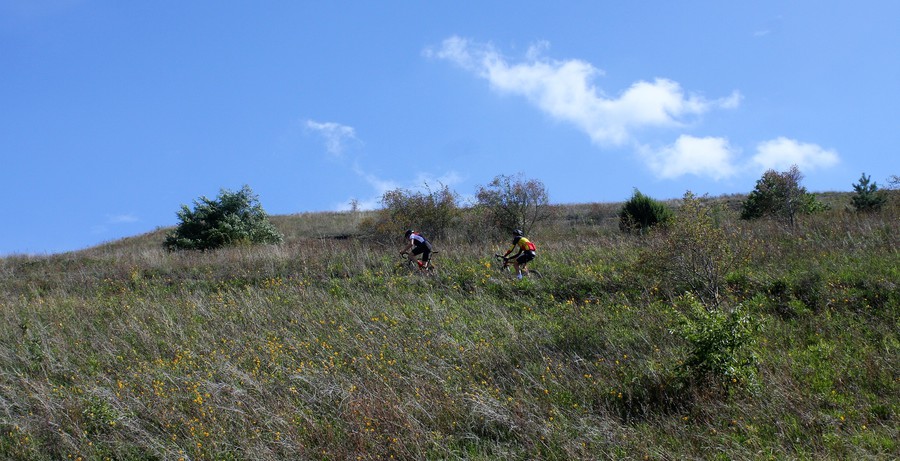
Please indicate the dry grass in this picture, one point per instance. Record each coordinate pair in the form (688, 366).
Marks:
(322, 349)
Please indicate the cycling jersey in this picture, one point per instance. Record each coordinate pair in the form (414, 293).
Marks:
(524, 245)
(417, 239)
(421, 246)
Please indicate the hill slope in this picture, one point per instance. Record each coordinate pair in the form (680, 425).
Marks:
(323, 348)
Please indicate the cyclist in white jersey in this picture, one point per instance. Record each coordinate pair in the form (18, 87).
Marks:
(419, 245)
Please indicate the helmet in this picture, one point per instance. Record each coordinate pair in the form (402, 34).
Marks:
(408, 233)
(518, 233)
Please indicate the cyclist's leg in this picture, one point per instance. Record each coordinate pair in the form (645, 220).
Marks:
(416, 252)
(517, 266)
(522, 262)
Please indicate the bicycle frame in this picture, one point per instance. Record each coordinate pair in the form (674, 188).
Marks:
(507, 262)
(504, 262)
(411, 264)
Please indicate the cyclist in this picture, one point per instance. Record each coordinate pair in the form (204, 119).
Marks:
(525, 254)
(419, 245)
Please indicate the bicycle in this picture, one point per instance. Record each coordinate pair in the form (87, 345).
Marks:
(412, 265)
(505, 263)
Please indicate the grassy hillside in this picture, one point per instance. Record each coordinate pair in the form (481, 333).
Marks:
(323, 348)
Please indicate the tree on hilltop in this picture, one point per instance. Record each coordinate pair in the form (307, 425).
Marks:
(867, 196)
(641, 212)
(514, 202)
(431, 212)
(780, 195)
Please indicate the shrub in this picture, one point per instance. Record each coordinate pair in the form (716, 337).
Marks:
(513, 202)
(641, 212)
(780, 195)
(867, 197)
(695, 254)
(234, 218)
(720, 342)
(432, 213)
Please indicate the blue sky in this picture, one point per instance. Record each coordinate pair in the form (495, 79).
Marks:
(114, 114)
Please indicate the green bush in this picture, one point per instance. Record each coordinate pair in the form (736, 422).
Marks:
(641, 212)
(780, 195)
(721, 342)
(867, 197)
(234, 218)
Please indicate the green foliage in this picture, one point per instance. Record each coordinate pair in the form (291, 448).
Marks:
(867, 197)
(431, 213)
(233, 218)
(99, 416)
(641, 212)
(780, 195)
(695, 254)
(809, 204)
(513, 202)
(721, 342)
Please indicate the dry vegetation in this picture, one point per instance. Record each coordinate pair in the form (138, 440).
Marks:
(322, 348)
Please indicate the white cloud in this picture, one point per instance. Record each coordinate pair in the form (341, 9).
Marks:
(565, 90)
(336, 135)
(114, 220)
(709, 156)
(715, 158)
(781, 153)
(122, 219)
(457, 50)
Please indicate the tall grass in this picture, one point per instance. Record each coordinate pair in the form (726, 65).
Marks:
(323, 348)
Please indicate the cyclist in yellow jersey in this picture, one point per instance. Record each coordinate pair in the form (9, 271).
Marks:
(526, 253)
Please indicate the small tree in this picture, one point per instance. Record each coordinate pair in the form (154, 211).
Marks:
(233, 218)
(780, 195)
(513, 202)
(641, 212)
(867, 197)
